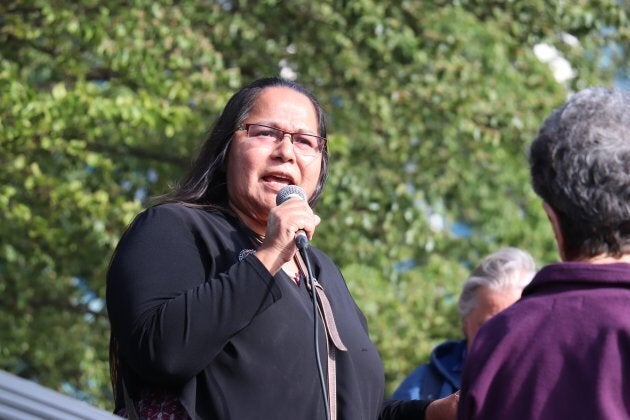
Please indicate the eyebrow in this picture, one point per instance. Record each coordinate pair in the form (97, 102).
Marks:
(275, 125)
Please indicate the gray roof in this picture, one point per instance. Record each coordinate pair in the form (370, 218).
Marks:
(23, 399)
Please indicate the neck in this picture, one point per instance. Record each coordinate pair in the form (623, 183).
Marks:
(259, 227)
(605, 259)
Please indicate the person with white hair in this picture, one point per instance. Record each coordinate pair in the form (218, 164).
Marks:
(495, 284)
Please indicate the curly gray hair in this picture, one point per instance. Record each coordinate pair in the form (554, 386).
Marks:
(580, 166)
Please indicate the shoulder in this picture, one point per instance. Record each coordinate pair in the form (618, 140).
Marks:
(497, 341)
(178, 210)
(176, 213)
(326, 271)
(167, 222)
(321, 257)
(452, 348)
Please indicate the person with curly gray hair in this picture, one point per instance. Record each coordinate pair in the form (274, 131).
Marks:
(563, 350)
(495, 284)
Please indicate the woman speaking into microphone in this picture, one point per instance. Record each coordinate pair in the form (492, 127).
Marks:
(211, 313)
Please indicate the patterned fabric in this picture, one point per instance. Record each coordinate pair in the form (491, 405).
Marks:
(155, 405)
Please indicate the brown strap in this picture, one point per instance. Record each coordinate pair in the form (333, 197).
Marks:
(328, 318)
(326, 309)
(332, 382)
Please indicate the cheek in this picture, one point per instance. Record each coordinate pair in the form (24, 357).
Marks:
(238, 169)
(310, 176)
(241, 162)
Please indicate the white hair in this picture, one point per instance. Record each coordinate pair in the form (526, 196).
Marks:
(506, 269)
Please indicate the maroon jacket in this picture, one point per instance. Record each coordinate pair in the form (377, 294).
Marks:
(561, 352)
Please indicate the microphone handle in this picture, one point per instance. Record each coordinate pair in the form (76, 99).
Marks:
(301, 240)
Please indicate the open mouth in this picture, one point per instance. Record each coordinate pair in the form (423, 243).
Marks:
(278, 179)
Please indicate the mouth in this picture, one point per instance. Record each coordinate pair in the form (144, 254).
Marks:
(279, 179)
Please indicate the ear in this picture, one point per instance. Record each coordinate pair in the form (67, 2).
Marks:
(555, 225)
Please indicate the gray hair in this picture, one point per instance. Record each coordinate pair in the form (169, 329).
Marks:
(505, 269)
(580, 166)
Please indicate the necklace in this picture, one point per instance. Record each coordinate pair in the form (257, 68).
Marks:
(257, 239)
(294, 276)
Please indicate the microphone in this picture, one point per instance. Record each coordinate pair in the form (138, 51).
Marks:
(294, 191)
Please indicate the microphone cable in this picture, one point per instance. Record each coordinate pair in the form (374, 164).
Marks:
(316, 314)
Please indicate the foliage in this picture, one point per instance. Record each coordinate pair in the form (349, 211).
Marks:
(431, 108)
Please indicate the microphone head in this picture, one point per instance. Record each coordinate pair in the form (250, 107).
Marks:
(290, 191)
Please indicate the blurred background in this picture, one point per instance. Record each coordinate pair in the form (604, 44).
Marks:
(432, 106)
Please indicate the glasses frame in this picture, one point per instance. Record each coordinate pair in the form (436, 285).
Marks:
(321, 141)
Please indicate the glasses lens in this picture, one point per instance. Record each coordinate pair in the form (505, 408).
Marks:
(263, 132)
(304, 144)
(307, 144)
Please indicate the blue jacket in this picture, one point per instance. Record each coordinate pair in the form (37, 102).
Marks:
(438, 378)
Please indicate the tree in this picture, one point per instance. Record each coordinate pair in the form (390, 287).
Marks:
(431, 109)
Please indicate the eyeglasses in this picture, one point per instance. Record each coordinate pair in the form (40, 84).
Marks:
(303, 144)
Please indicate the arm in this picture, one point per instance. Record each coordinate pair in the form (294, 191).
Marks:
(404, 410)
(442, 409)
(171, 307)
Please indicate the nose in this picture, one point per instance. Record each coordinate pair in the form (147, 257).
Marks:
(284, 149)
(285, 135)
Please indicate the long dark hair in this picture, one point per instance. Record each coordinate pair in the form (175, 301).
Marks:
(205, 183)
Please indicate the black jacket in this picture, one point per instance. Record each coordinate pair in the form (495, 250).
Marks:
(194, 312)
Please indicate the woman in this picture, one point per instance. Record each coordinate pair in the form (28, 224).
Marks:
(210, 314)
